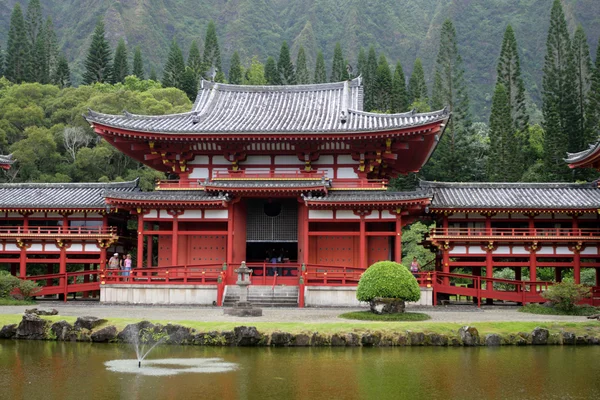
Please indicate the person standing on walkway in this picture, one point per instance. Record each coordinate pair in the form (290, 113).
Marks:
(114, 263)
(127, 266)
(415, 267)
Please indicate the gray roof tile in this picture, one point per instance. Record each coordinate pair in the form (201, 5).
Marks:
(7, 160)
(166, 195)
(582, 155)
(351, 196)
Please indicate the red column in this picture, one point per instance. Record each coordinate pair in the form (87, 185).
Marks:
(306, 241)
(362, 243)
(230, 229)
(25, 220)
(489, 272)
(446, 263)
(140, 239)
(576, 266)
(398, 247)
(175, 238)
(65, 223)
(62, 268)
(23, 262)
(532, 266)
(149, 250)
(488, 225)
(445, 224)
(102, 258)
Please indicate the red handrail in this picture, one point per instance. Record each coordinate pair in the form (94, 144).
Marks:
(516, 232)
(341, 183)
(57, 230)
(268, 174)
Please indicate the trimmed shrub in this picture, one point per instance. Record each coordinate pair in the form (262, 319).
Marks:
(388, 279)
(566, 295)
(9, 284)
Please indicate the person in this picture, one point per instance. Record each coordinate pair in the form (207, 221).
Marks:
(414, 267)
(273, 261)
(127, 266)
(114, 262)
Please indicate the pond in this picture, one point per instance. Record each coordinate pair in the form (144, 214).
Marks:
(51, 370)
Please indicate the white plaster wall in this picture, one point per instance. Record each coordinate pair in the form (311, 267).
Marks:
(320, 214)
(220, 160)
(563, 250)
(152, 214)
(199, 173)
(458, 250)
(11, 247)
(74, 247)
(346, 173)
(519, 250)
(253, 160)
(345, 159)
(340, 296)
(323, 160)
(217, 214)
(155, 294)
(502, 250)
(375, 214)
(197, 214)
(287, 160)
(199, 160)
(346, 214)
(476, 250)
(589, 251)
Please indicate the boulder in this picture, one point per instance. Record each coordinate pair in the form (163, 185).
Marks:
(436, 339)
(88, 322)
(380, 305)
(105, 334)
(492, 340)
(595, 316)
(386, 341)
(132, 332)
(338, 340)
(32, 327)
(38, 311)
(228, 337)
(319, 340)
(580, 340)
(568, 338)
(540, 336)
(8, 331)
(211, 338)
(416, 338)
(352, 339)
(280, 339)
(301, 339)
(246, 336)
(369, 339)
(469, 335)
(176, 334)
(63, 331)
(401, 340)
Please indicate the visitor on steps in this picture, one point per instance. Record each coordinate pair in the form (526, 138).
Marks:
(114, 263)
(127, 266)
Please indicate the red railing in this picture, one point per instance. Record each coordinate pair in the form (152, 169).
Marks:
(328, 275)
(516, 232)
(178, 274)
(263, 273)
(268, 174)
(67, 283)
(343, 183)
(58, 230)
(180, 184)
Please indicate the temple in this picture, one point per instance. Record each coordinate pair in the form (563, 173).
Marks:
(292, 181)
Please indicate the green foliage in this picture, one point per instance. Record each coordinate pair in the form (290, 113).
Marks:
(194, 61)
(271, 73)
(503, 165)
(592, 113)
(175, 68)
(337, 65)
(51, 50)
(255, 75)
(387, 279)
(370, 76)
(369, 316)
(138, 63)
(320, 71)
(399, 95)
(62, 74)
(212, 54)
(302, 74)
(285, 68)
(97, 63)
(235, 70)
(412, 236)
(189, 83)
(17, 49)
(382, 86)
(566, 295)
(9, 283)
(120, 63)
(417, 88)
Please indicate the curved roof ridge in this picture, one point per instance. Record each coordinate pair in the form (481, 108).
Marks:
(505, 185)
(128, 115)
(208, 85)
(577, 156)
(70, 185)
(443, 112)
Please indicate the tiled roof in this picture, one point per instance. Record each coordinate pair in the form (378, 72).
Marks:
(60, 195)
(7, 160)
(166, 196)
(318, 108)
(514, 195)
(266, 185)
(582, 155)
(352, 196)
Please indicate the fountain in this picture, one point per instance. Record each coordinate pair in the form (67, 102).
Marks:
(140, 351)
(243, 308)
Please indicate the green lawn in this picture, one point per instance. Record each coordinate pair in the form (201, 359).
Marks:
(13, 302)
(539, 309)
(369, 316)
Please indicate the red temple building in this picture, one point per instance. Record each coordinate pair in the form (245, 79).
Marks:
(291, 180)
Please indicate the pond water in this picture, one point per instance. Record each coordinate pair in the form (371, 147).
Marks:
(50, 370)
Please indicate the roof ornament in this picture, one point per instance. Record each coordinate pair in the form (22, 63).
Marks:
(446, 111)
(349, 70)
(127, 114)
(195, 118)
(212, 73)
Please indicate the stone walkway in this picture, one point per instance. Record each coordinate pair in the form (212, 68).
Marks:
(455, 313)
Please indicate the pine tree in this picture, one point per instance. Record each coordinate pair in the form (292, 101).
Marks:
(285, 68)
(271, 74)
(38, 61)
(175, 67)
(320, 71)
(120, 63)
(361, 62)
(235, 69)
(17, 51)
(559, 98)
(194, 60)
(369, 74)
(337, 66)
(62, 74)
(51, 47)
(37, 55)
(383, 85)
(455, 158)
(212, 54)
(1, 62)
(189, 83)
(399, 94)
(153, 76)
(255, 75)
(583, 76)
(417, 88)
(503, 144)
(138, 63)
(97, 63)
(592, 115)
(302, 74)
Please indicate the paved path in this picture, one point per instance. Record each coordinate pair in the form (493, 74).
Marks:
(458, 314)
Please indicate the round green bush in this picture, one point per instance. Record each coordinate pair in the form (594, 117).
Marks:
(388, 279)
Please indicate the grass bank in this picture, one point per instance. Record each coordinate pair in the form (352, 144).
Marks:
(540, 309)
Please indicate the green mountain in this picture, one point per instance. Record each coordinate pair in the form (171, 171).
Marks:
(403, 30)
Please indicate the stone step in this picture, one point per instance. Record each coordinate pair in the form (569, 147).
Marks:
(265, 305)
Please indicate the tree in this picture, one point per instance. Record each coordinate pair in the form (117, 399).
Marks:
(120, 63)
(175, 67)
(320, 70)
(97, 62)
(285, 68)
(62, 74)
(337, 65)
(235, 69)
(454, 159)
(383, 85)
(37, 47)
(412, 237)
(417, 88)
(17, 48)
(592, 115)
(370, 75)
(583, 76)
(1, 62)
(189, 83)
(138, 63)
(255, 75)
(399, 101)
(271, 74)
(51, 47)
(361, 63)
(153, 76)
(73, 139)
(302, 74)
(503, 146)
(565, 295)
(194, 60)
(212, 54)
(559, 98)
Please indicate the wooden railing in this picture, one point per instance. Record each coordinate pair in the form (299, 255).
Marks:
(516, 232)
(57, 230)
(171, 275)
(67, 282)
(344, 183)
(180, 184)
(268, 174)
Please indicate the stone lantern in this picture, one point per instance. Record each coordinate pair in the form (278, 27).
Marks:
(243, 308)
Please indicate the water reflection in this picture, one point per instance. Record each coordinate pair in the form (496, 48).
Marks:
(171, 366)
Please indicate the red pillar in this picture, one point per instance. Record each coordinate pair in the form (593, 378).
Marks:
(140, 239)
(306, 240)
(175, 239)
(445, 224)
(23, 262)
(398, 247)
(532, 266)
(446, 264)
(62, 268)
(149, 250)
(102, 258)
(230, 229)
(362, 243)
(577, 266)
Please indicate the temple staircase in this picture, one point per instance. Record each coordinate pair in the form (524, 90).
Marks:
(264, 296)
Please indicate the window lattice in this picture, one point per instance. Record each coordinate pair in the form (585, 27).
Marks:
(263, 228)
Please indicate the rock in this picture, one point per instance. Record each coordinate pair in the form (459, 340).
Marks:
(493, 339)
(212, 338)
(338, 340)
(105, 334)
(88, 322)
(352, 339)
(176, 334)
(63, 331)
(416, 338)
(369, 339)
(380, 305)
(469, 335)
(246, 336)
(568, 338)
(436, 339)
(301, 339)
(540, 336)
(593, 340)
(42, 311)
(32, 327)
(8, 331)
(386, 341)
(581, 340)
(279, 339)
(401, 340)
(228, 337)
(595, 316)
(555, 338)
(132, 332)
(319, 340)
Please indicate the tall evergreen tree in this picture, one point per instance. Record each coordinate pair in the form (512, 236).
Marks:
(1, 62)
(235, 69)
(503, 144)
(153, 76)
(120, 63)
(38, 61)
(138, 63)
(189, 83)
(454, 158)
(37, 55)
(51, 47)
(399, 93)
(417, 88)
(302, 74)
(271, 73)
(337, 66)
(212, 54)
(175, 68)
(17, 48)
(370, 74)
(592, 114)
(194, 60)
(383, 85)
(285, 68)
(255, 75)
(97, 62)
(62, 74)
(361, 62)
(583, 77)
(320, 71)
(559, 98)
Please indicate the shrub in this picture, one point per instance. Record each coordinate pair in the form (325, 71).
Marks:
(566, 295)
(388, 279)
(9, 283)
